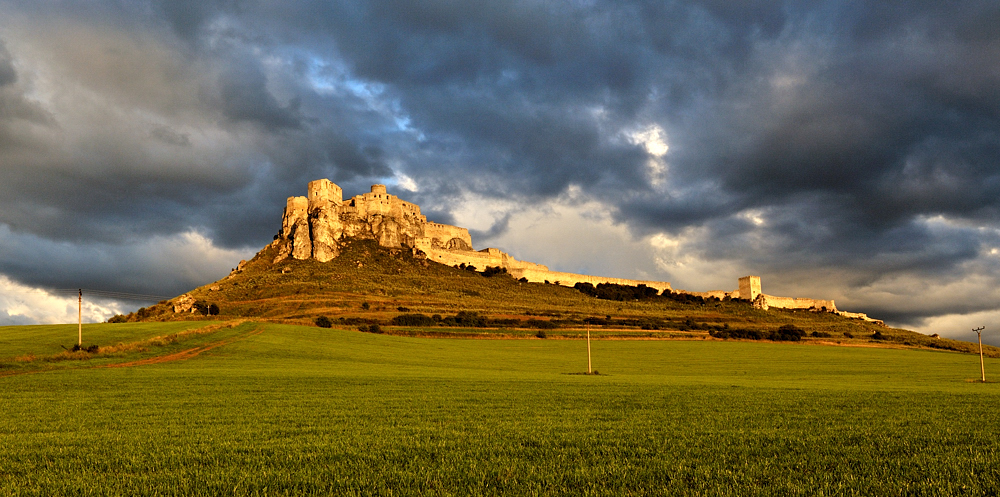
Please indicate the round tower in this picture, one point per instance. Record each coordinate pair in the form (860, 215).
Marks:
(378, 189)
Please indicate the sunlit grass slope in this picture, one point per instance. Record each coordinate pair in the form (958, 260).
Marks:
(54, 338)
(305, 410)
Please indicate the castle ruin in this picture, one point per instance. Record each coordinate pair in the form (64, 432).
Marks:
(314, 226)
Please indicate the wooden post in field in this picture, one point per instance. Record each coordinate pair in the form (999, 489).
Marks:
(589, 370)
(79, 318)
(982, 367)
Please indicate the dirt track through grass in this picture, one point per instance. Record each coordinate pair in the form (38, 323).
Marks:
(184, 354)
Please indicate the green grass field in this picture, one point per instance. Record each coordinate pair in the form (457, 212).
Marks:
(283, 409)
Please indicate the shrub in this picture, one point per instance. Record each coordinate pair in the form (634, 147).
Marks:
(879, 336)
(540, 334)
(118, 318)
(93, 349)
(541, 324)
(494, 270)
(213, 310)
(738, 334)
(413, 320)
(403, 309)
(323, 322)
(523, 280)
(788, 333)
(374, 328)
(366, 306)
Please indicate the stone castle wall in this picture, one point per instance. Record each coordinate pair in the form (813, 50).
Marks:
(570, 279)
(799, 303)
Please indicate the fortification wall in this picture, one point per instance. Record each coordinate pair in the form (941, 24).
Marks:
(443, 233)
(719, 294)
(860, 315)
(570, 279)
(799, 303)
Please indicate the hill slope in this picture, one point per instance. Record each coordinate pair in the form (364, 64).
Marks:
(369, 284)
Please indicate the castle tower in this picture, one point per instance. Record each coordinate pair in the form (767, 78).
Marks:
(378, 189)
(749, 287)
(324, 190)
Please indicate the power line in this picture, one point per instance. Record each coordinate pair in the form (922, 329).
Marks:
(112, 294)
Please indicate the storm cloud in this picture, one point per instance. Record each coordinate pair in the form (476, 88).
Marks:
(839, 150)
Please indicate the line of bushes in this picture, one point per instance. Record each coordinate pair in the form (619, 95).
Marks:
(785, 333)
(614, 291)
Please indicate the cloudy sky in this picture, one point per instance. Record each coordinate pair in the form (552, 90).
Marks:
(846, 150)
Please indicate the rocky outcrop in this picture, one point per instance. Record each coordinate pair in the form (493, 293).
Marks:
(313, 226)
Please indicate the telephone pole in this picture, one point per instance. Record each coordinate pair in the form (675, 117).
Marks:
(589, 369)
(982, 367)
(79, 319)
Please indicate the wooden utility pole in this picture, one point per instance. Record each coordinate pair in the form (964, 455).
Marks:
(79, 319)
(982, 367)
(589, 369)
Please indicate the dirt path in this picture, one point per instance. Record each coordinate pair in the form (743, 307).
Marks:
(176, 356)
(184, 354)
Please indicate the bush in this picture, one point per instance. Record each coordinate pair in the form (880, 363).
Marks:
(118, 318)
(323, 322)
(523, 280)
(494, 270)
(403, 309)
(540, 334)
(366, 306)
(738, 334)
(93, 349)
(413, 320)
(541, 324)
(213, 310)
(788, 333)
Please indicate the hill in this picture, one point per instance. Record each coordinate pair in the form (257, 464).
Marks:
(399, 293)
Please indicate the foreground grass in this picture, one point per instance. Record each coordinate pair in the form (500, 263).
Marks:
(302, 410)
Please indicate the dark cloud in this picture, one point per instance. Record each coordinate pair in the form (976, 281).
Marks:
(245, 98)
(7, 73)
(860, 139)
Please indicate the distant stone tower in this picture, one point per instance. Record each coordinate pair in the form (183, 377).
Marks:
(378, 189)
(749, 287)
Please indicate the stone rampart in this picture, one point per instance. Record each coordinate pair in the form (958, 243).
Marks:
(570, 279)
(441, 235)
(799, 303)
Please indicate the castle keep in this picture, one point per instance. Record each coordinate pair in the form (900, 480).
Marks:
(313, 227)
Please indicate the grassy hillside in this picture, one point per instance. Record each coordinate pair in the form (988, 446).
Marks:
(282, 409)
(370, 284)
